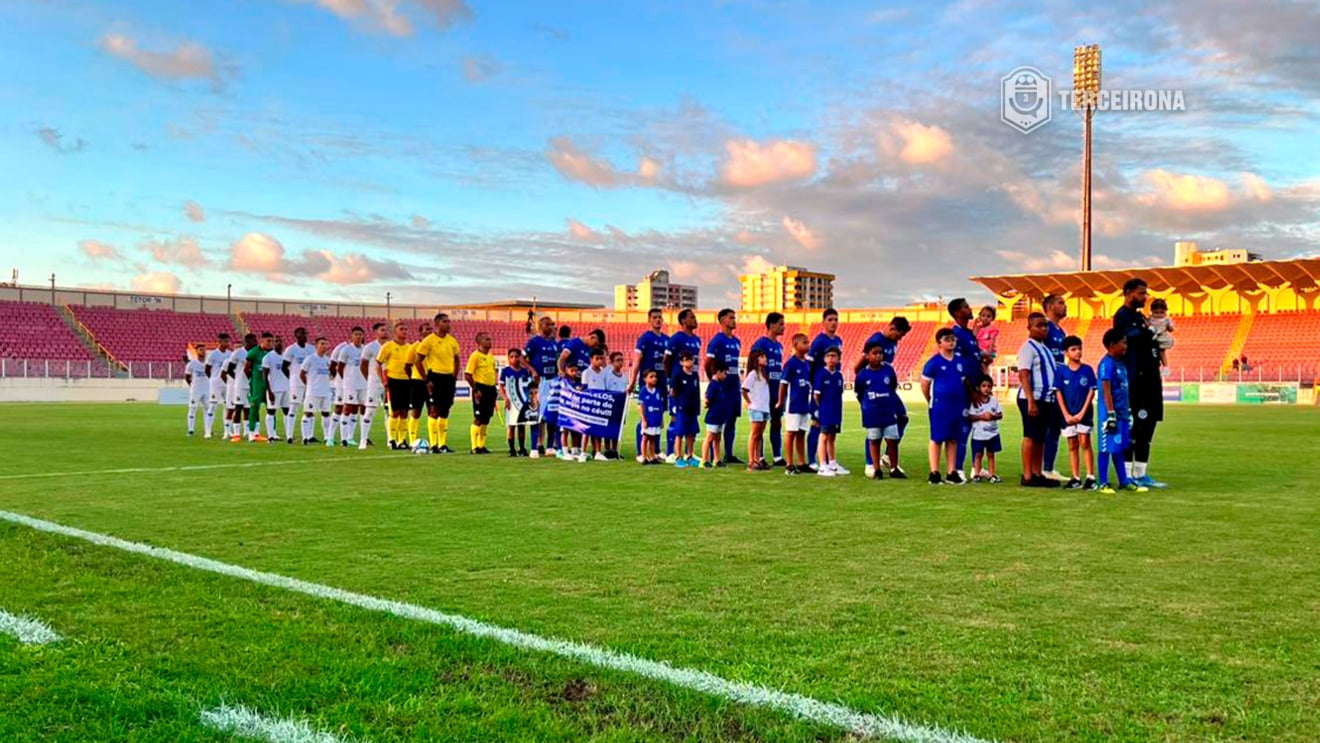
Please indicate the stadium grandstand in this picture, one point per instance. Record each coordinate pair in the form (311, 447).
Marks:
(1255, 321)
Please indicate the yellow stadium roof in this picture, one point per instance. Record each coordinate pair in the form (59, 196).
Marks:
(1302, 275)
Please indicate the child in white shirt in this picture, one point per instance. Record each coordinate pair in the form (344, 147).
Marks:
(984, 414)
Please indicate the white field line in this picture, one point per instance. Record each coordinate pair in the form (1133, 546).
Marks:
(196, 467)
(797, 705)
(29, 631)
(245, 723)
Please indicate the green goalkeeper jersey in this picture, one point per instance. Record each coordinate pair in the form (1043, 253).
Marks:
(258, 379)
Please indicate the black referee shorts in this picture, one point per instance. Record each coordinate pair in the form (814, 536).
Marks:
(1147, 396)
(401, 394)
(419, 394)
(483, 409)
(442, 392)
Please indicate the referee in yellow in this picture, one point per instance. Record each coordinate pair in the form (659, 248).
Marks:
(395, 364)
(480, 376)
(437, 354)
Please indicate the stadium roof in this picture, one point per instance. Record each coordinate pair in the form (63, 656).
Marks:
(1302, 275)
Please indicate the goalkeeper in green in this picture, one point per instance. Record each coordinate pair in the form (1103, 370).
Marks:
(257, 389)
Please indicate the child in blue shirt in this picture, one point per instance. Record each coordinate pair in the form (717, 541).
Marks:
(827, 392)
(795, 400)
(1076, 384)
(876, 386)
(1113, 409)
(685, 393)
(519, 400)
(717, 412)
(942, 385)
(651, 406)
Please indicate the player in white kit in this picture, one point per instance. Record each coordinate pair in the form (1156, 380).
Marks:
(348, 359)
(375, 387)
(315, 374)
(277, 389)
(238, 386)
(199, 386)
(215, 362)
(337, 387)
(294, 356)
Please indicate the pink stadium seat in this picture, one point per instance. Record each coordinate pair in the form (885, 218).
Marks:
(36, 331)
(152, 342)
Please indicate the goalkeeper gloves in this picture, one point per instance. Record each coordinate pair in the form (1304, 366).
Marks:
(1111, 424)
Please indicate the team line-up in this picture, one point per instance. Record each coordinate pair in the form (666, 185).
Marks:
(795, 400)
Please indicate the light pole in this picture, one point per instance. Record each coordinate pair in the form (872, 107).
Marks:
(1086, 90)
(229, 299)
(52, 288)
(388, 314)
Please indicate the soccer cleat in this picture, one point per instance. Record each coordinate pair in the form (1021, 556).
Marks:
(680, 463)
(780, 462)
(1073, 484)
(600, 457)
(670, 458)
(523, 453)
(551, 452)
(275, 440)
(350, 442)
(313, 440)
(536, 454)
(839, 470)
(994, 479)
(582, 458)
(1088, 483)
(693, 462)
(288, 440)
(935, 478)
(369, 442)
(876, 474)
(824, 472)
(329, 443)
(434, 450)
(792, 469)
(1106, 489)
(445, 450)
(733, 460)
(955, 478)
(641, 459)
(897, 474)
(871, 470)
(1133, 487)
(813, 467)
(1053, 475)
(363, 445)
(190, 434)
(234, 439)
(1147, 481)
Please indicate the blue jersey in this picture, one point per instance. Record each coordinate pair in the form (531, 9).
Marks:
(1075, 386)
(727, 348)
(685, 390)
(652, 402)
(680, 342)
(829, 385)
(717, 408)
(774, 359)
(946, 375)
(651, 347)
(877, 391)
(1054, 342)
(968, 350)
(816, 354)
(543, 356)
(888, 348)
(1116, 374)
(579, 353)
(797, 377)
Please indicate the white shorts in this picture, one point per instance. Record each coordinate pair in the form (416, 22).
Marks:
(198, 397)
(218, 394)
(375, 396)
(655, 431)
(296, 396)
(715, 429)
(354, 395)
(877, 434)
(317, 405)
(1072, 432)
(797, 422)
(281, 400)
(338, 389)
(238, 397)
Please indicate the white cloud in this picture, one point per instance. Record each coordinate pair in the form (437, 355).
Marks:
(1193, 193)
(262, 254)
(161, 282)
(577, 165)
(918, 144)
(581, 232)
(194, 211)
(386, 15)
(257, 253)
(750, 163)
(804, 236)
(186, 61)
(99, 251)
(184, 252)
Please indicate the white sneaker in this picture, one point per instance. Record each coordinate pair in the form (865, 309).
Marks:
(582, 457)
(551, 452)
(534, 454)
(600, 457)
(640, 459)
(1054, 475)
(838, 470)
(208, 435)
(669, 458)
(814, 467)
(825, 472)
(362, 446)
(870, 469)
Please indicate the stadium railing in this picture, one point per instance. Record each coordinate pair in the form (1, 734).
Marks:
(54, 369)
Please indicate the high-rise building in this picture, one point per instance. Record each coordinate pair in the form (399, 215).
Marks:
(654, 291)
(1188, 253)
(787, 288)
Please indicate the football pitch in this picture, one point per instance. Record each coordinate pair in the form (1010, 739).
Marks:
(381, 596)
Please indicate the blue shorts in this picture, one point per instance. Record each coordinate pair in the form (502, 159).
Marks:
(544, 398)
(986, 445)
(947, 424)
(758, 416)
(686, 424)
(1118, 442)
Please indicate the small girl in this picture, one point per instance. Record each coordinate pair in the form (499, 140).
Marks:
(1162, 325)
(756, 393)
(984, 414)
(987, 336)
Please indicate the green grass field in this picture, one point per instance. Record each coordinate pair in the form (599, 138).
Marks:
(1187, 614)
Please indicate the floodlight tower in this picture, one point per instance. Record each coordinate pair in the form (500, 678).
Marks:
(1086, 93)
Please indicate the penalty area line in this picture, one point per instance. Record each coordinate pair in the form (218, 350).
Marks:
(797, 705)
(194, 467)
(29, 631)
(245, 723)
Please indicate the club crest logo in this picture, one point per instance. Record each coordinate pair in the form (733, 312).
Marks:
(1024, 99)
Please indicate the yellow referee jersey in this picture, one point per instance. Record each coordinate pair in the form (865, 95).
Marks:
(438, 355)
(417, 372)
(395, 357)
(482, 368)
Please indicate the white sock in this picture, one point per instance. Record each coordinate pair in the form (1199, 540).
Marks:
(308, 427)
(345, 427)
(192, 417)
(367, 416)
(1138, 469)
(327, 428)
(270, 425)
(334, 425)
(289, 419)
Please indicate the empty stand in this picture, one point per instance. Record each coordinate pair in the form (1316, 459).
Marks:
(36, 331)
(151, 342)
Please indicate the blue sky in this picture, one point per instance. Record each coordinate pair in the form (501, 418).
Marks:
(459, 150)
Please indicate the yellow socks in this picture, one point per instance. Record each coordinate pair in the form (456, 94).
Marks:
(414, 430)
(484, 432)
(441, 432)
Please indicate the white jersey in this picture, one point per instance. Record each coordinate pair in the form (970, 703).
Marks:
(985, 430)
(350, 359)
(318, 375)
(274, 363)
(216, 359)
(338, 382)
(595, 380)
(370, 352)
(296, 355)
(615, 382)
(201, 384)
(236, 366)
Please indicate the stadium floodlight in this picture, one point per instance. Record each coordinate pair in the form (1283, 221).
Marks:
(1086, 93)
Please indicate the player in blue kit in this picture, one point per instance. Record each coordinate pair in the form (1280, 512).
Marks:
(577, 351)
(969, 353)
(943, 384)
(542, 357)
(887, 340)
(769, 345)
(1076, 394)
(827, 393)
(876, 386)
(685, 340)
(827, 339)
(1113, 408)
(1055, 308)
(795, 399)
(717, 413)
(649, 355)
(651, 409)
(685, 406)
(726, 347)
